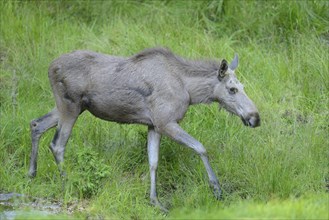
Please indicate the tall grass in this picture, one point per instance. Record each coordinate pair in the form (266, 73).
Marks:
(283, 48)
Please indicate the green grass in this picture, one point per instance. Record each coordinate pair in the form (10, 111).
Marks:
(279, 170)
(303, 208)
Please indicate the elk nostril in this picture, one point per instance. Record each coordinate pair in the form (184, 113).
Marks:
(254, 120)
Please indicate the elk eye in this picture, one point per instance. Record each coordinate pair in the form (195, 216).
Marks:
(233, 90)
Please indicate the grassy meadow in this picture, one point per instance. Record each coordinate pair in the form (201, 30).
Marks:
(279, 170)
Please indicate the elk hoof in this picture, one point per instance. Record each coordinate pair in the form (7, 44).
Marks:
(157, 204)
(32, 174)
(217, 192)
(63, 174)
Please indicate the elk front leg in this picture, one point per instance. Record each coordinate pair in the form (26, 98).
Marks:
(60, 139)
(174, 131)
(153, 144)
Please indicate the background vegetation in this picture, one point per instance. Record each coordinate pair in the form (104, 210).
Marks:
(278, 170)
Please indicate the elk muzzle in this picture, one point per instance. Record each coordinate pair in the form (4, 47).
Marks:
(251, 120)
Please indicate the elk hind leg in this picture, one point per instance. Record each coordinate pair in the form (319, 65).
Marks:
(38, 127)
(60, 139)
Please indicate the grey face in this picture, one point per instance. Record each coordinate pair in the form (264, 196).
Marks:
(231, 95)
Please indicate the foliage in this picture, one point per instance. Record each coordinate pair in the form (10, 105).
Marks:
(283, 48)
(88, 172)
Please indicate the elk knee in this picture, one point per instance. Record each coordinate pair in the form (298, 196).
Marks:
(199, 148)
(153, 167)
(58, 152)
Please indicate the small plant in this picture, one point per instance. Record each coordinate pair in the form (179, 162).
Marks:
(89, 172)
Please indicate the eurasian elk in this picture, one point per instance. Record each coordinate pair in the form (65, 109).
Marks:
(154, 88)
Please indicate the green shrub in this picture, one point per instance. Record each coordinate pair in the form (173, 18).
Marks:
(88, 172)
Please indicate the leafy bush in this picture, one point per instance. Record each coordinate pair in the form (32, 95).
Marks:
(88, 172)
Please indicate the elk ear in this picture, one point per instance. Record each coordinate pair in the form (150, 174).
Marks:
(222, 69)
(235, 62)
